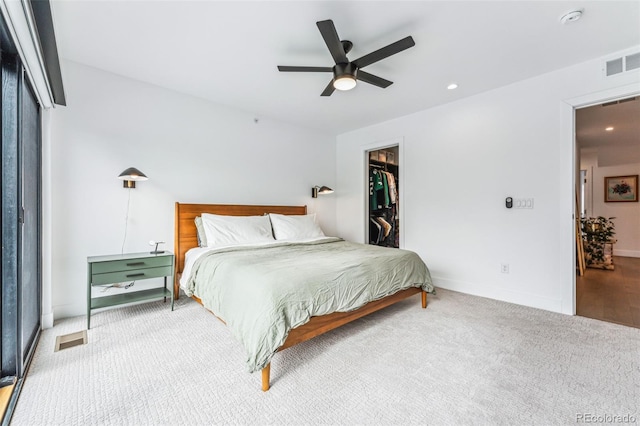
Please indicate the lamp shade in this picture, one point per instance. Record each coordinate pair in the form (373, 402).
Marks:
(344, 76)
(132, 174)
(346, 82)
(320, 190)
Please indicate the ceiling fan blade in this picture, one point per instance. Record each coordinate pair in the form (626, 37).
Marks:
(330, 36)
(285, 68)
(329, 89)
(385, 52)
(373, 79)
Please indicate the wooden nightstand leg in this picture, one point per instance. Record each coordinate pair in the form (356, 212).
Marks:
(266, 372)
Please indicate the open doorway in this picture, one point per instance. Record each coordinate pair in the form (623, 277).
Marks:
(608, 150)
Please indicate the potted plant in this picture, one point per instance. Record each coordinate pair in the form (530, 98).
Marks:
(596, 233)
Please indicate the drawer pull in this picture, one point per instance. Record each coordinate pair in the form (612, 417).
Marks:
(141, 274)
(135, 264)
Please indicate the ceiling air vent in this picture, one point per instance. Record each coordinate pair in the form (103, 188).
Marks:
(614, 67)
(622, 64)
(621, 101)
(632, 61)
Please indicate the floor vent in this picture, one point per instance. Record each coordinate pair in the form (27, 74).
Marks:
(70, 340)
(622, 64)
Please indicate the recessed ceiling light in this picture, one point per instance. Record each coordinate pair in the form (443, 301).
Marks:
(609, 129)
(452, 86)
(572, 16)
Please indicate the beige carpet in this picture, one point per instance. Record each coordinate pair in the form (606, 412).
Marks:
(463, 360)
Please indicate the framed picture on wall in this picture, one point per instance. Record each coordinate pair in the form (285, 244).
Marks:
(621, 188)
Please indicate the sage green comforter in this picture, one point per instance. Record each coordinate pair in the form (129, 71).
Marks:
(262, 292)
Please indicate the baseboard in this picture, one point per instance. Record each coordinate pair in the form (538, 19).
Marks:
(47, 320)
(69, 310)
(497, 293)
(626, 253)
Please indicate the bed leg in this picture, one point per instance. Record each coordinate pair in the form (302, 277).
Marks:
(265, 377)
(424, 299)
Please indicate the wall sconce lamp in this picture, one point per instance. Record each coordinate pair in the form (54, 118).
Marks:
(320, 190)
(130, 176)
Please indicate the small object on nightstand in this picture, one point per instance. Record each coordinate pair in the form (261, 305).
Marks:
(155, 251)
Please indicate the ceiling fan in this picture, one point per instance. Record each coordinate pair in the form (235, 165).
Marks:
(345, 72)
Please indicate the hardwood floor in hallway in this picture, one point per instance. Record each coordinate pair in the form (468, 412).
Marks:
(612, 296)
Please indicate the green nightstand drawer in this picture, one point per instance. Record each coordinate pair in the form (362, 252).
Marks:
(132, 275)
(131, 264)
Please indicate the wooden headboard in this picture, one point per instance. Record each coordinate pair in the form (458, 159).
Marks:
(186, 237)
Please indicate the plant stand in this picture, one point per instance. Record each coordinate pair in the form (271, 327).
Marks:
(606, 248)
(597, 234)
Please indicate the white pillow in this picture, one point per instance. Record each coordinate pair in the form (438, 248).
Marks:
(230, 230)
(202, 237)
(295, 227)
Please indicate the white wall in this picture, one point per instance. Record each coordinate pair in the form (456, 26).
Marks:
(460, 162)
(614, 156)
(192, 151)
(627, 215)
(589, 162)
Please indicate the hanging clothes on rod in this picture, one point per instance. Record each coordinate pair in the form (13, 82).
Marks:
(393, 193)
(378, 189)
(375, 232)
(383, 199)
(385, 226)
(382, 189)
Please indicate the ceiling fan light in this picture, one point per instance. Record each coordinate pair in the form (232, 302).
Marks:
(345, 82)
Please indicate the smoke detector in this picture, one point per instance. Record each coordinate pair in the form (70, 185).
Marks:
(572, 16)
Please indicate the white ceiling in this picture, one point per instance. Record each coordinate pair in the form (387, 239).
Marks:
(622, 115)
(227, 52)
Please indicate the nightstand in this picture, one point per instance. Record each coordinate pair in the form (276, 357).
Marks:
(128, 267)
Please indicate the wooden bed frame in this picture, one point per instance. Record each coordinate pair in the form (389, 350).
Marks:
(186, 238)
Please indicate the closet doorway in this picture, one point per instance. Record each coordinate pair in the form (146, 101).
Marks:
(383, 204)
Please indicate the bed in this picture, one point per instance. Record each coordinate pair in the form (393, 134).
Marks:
(195, 283)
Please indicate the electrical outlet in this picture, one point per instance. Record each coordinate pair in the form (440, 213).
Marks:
(504, 268)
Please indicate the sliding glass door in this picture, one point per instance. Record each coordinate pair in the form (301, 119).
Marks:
(21, 301)
(10, 215)
(30, 265)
